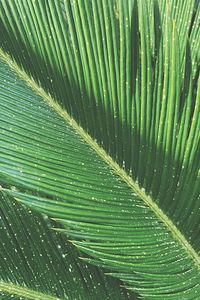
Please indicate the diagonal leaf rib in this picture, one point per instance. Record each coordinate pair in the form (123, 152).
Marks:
(20, 291)
(113, 165)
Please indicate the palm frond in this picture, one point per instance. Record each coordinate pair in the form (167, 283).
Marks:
(115, 158)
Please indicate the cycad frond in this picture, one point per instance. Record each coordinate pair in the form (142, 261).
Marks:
(115, 158)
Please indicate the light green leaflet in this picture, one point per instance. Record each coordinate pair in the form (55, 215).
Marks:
(128, 73)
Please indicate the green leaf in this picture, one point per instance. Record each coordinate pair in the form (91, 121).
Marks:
(58, 169)
(37, 263)
(123, 179)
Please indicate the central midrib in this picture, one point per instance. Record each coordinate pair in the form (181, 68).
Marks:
(101, 152)
(26, 292)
